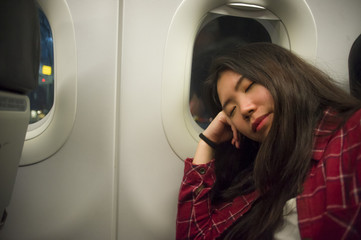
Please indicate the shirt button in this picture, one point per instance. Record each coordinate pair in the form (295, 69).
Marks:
(199, 189)
(202, 170)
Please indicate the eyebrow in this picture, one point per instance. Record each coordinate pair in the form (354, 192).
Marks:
(235, 88)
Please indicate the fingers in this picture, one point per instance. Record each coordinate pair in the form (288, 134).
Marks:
(235, 136)
(216, 131)
(222, 129)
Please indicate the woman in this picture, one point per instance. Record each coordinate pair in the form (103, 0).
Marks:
(281, 159)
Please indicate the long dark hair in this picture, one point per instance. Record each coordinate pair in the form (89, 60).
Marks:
(278, 167)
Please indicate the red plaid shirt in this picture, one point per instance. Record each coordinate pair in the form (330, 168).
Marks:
(328, 208)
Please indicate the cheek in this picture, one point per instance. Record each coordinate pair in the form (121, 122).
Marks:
(241, 126)
(267, 98)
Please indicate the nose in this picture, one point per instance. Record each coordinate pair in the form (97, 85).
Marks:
(247, 108)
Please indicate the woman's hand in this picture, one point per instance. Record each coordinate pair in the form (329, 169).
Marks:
(221, 129)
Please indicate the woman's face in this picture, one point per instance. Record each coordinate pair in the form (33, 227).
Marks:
(248, 105)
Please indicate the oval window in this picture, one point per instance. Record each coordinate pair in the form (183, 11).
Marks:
(52, 100)
(192, 35)
(42, 98)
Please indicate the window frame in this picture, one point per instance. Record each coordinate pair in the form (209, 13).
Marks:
(179, 127)
(51, 133)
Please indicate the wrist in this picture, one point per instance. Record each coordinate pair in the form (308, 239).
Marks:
(204, 153)
(211, 143)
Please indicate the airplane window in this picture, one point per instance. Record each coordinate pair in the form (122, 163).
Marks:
(216, 37)
(42, 98)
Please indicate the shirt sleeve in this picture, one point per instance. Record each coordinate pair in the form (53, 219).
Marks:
(197, 218)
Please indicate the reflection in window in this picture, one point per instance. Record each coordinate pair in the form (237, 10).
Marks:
(42, 98)
(216, 37)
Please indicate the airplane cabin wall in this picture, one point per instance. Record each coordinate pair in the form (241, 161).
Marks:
(338, 26)
(149, 171)
(71, 195)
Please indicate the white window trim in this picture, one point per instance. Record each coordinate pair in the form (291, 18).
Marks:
(51, 133)
(180, 128)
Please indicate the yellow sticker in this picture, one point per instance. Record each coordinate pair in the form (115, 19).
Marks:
(46, 70)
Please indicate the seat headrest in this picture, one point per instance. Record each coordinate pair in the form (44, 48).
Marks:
(354, 66)
(19, 45)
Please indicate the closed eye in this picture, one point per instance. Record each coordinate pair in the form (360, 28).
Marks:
(232, 111)
(249, 86)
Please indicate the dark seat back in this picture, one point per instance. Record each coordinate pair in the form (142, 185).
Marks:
(354, 66)
(19, 69)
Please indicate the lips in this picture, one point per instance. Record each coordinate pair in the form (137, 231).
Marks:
(258, 121)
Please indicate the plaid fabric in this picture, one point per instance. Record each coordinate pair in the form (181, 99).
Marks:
(197, 218)
(328, 208)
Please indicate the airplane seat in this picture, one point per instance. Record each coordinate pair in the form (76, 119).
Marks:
(354, 65)
(19, 69)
